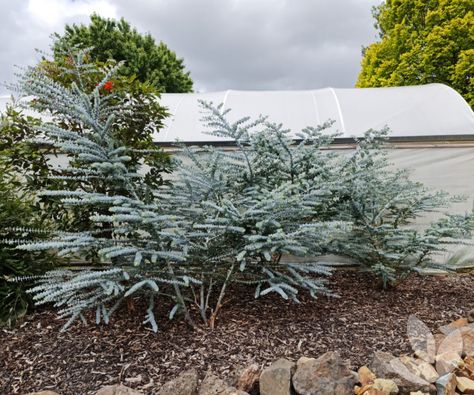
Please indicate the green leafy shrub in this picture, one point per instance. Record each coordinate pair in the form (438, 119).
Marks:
(17, 216)
(17, 154)
(23, 169)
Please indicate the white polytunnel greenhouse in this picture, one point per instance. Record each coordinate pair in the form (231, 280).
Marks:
(433, 110)
(431, 129)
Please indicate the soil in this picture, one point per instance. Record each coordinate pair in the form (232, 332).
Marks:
(364, 319)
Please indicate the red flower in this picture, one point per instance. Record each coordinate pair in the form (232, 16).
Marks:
(108, 85)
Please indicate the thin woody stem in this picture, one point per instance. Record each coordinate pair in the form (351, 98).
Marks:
(218, 306)
(180, 298)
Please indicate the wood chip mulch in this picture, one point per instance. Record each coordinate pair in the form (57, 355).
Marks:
(364, 319)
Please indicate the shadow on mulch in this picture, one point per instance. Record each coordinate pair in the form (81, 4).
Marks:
(363, 320)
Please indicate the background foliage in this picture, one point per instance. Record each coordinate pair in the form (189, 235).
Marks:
(145, 60)
(23, 171)
(422, 42)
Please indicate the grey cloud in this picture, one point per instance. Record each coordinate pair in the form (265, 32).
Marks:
(18, 37)
(21, 34)
(233, 44)
(266, 44)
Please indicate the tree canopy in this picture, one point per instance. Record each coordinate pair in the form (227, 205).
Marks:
(109, 39)
(422, 41)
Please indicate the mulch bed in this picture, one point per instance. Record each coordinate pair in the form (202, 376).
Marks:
(363, 320)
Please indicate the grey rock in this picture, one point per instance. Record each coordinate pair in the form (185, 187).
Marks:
(326, 375)
(117, 389)
(276, 379)
(185, 384)
(387, 366)
(213, 385)
(247, 379)
(446, 385)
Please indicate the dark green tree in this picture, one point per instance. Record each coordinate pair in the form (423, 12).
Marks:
(422, 41)
(109, 39)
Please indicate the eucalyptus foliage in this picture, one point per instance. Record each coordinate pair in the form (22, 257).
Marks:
(140, 116)
(124, 227)
(225, 220)
(229, 217)
(383, 204)
(248, 208)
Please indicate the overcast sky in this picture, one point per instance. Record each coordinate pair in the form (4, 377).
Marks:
(226, 44)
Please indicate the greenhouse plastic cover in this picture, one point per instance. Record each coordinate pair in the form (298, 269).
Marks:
(425, 110)
(412, 111)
